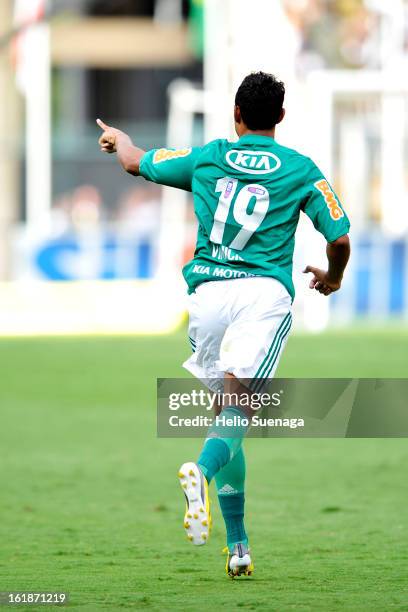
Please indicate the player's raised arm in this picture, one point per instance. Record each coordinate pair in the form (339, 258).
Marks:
(327, 281)
(172, 167)
(116, 141)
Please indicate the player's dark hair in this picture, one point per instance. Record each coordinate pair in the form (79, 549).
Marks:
(260, 99)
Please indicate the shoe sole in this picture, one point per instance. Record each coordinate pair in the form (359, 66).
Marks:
(197, 519)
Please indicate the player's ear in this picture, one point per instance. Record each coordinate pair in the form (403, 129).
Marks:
(237, 114)
(282, 115)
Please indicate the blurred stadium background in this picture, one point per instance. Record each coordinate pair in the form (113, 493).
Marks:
(85, 248)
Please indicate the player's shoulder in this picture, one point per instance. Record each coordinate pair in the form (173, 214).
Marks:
(304, 165)
(212, 151)
(217, 144)
(295, 154)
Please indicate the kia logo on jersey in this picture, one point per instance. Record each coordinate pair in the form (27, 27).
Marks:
(253, 162)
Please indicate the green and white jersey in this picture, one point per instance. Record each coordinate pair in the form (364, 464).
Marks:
(247, 198)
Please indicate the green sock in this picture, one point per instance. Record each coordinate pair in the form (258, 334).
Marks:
(230, 482)
(223, 442)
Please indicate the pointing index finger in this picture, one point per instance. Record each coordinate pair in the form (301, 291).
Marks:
(102, 125)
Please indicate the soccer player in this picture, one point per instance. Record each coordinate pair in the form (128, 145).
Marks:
(248, 196)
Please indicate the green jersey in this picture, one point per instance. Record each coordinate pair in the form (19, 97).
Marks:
(247, 198)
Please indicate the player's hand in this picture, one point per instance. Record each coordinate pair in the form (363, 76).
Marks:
(321, 281)
(109, 137)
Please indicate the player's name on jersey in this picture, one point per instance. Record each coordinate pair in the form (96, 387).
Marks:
(223, 253)
(220, 272)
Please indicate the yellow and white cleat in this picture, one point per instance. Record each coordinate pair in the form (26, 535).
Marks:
(197, 519)
(239, 561)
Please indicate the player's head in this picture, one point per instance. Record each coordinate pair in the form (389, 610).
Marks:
(259, 103)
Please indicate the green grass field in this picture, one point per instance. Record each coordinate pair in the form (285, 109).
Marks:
(89, 501)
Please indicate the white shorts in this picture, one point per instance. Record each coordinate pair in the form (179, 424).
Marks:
(238, 326)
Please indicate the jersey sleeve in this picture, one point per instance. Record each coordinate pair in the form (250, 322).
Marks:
(323, 207)
(172, 167)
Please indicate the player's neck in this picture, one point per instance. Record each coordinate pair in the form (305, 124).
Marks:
(268, 133)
